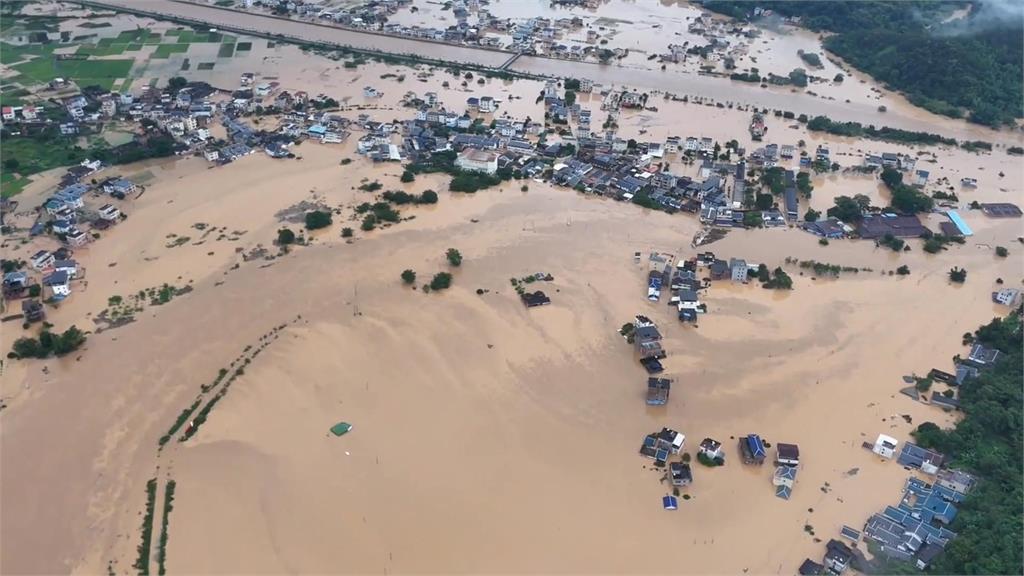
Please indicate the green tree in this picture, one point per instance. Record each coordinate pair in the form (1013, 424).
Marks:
(892, 177)
(428, 197)
(846, 209)
(176, 83)
(958, 275)
(570, 97)
(346, 232)
(407, 176)
(454, 257)
(752, 219)
(409, 276)
(812, 215)
(318, 219)
(1002, 252)
(441, 281)
(285, 237)
(27, 348)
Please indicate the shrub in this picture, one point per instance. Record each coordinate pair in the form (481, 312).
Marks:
(441, 281)
(369, 223)
(1002, 252)
(823, 241)
(35, 290)
(346, 232)
(454, 257)
(707, 461)
(285, 237)
(407, 176)
(371, 186)
(428, 197)
(409, 276)
(958, 275)
(903, 270)
(317, 219)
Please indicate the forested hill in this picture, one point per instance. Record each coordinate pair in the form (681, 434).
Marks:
(969, 68)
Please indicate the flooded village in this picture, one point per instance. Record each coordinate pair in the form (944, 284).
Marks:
(727, 281)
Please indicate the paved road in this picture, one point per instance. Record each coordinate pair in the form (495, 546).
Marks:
(900, 116)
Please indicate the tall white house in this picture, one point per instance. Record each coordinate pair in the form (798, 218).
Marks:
(476, 160)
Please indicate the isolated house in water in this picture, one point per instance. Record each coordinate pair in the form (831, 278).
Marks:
(680, 474)
(738, 269)
(658, 390)
(787, 454)
(783, 480)
(753, 450)
(885, 446)
(647, 339)
(711, 448)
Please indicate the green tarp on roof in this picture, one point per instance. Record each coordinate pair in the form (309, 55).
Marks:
(340, 428)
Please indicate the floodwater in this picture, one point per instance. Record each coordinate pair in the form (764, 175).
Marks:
(488, 437)
(899, 115)
(474, 417)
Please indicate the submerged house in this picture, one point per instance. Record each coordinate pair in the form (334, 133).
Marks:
(885, 446)
(711, 448)
(783, 480)
(647, 339)
(753, 450)
(787, 454)
(661, 445)
(658, 390)
(680, 474)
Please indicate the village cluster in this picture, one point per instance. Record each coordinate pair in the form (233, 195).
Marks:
(915, 530)
(566, 148)
(568, 37)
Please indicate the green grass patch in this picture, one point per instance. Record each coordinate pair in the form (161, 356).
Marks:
(152, 40)
(133, 47)
(226, 51)
(205, 66)
(11, 53)
(82, 72)
(106, 41)
(37, 154)
(224, 3)
(165, 50)
(11, 96)
(12, 185)
(243, 46)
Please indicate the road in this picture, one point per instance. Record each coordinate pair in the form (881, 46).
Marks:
(901, 115)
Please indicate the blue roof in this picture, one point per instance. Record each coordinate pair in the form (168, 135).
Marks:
(783, 492)
(669, 502)
(756, 446)
(959, 222)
